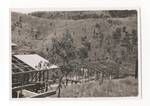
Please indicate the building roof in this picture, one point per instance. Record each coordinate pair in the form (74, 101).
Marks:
(13, 44)
(35, 61)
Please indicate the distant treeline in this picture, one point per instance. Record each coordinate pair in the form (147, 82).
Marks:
(122, 13)
(76, 15)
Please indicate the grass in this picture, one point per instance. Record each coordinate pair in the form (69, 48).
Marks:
(114, 88)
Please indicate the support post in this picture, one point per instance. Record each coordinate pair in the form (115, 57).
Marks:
(18, 94)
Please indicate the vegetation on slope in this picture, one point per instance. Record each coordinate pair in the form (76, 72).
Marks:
(84, 37)
(77, 15)
(110, 88)
(109, 38)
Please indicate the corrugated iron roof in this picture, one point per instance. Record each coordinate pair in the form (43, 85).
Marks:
(35, 61)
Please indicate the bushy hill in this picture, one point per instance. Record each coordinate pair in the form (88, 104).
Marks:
(76, 15)
(36, 33)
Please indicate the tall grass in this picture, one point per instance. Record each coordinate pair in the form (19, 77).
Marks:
(110, 88)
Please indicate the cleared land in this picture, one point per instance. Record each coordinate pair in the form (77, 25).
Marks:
(110, 41)
(110, 88)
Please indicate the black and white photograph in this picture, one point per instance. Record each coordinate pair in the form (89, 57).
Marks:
(74, 53)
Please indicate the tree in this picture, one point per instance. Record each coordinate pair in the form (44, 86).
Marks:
(122, 13)
(101, 37)
(65, 49)
(35, 33)
(117, 36)
(83, 53)
(135, 51)
(85, 42)
(55, 49)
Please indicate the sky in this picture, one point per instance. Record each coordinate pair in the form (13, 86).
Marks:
(28, 10)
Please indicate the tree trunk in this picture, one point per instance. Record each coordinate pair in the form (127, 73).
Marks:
(136, 69)
(59, 92)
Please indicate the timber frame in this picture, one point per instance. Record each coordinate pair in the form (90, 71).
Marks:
(40, 82)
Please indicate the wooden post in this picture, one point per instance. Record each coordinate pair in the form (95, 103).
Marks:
(66, 80)
(88, 75)
(39, 76)
(28, 77)
(47, 75)
(43, 76)
(76, 74)
(31, 76)
(59, 86)
(84, 74)
(18, 94)
(59, 92)
(21, 92)
(102, 77)
(23, 81)
(36, 76)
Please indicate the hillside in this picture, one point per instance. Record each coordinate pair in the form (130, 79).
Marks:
(36, 33)
(114, 88)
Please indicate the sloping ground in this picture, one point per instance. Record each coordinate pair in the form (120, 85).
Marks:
(23, 34)
(114, 88)
(49, 28)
